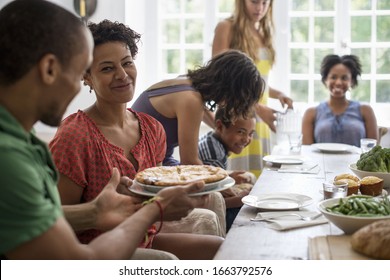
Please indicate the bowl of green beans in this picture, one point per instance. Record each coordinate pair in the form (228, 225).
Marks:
(356, 211)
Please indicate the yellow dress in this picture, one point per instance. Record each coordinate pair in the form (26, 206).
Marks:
(251, 158)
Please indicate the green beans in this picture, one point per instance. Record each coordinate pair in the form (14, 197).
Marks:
(362, 206)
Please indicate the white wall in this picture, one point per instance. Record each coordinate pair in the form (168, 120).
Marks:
(114, 10)
(106, 9)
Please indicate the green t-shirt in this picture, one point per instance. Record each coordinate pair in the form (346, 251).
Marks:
(29, 199)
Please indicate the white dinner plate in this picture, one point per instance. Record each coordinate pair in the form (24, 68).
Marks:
(277, 201)
(283, 159)
(224, 184)
(332, 147)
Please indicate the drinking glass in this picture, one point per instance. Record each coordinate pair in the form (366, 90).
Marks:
(295, 141)
(367, 144)
(333, 189)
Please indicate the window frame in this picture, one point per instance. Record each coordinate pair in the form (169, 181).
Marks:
(145, 20)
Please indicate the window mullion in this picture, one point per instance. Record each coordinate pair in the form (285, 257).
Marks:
(311, 53)
(182, 37)
(373, 53)
(342, 27)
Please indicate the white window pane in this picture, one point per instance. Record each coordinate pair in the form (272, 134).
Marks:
(324, 5)
(361, 4)
(299, 61)
(319, 54)
(194, 31)
(320, 92)
(383, 91)
(362, 91)
(299, 90)
(194, 59)
(226, 6)
(194, 6)
(170, 7)
(383, 60)
(300, 5)
(324, 29)
(171, 31)
(171, 61)
(383, 4)
(383, 29)
(299, 29)
(361, 29)
(364, 55)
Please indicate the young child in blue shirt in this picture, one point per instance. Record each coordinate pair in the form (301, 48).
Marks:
(229, 136)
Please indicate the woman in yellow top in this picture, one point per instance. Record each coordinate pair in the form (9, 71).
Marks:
(250, 30)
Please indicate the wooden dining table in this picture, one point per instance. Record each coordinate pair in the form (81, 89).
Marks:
(249, 240)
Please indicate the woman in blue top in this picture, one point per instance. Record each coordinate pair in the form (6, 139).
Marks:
(339, 120)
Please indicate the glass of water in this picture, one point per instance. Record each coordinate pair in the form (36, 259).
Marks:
(333, 190)
(295, 141)
(367, 144)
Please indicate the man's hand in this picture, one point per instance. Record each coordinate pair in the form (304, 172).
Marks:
(176, 202)
(115, 202)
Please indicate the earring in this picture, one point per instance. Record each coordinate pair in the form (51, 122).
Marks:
(90, 89)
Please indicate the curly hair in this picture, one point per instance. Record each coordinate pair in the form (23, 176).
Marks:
(30, 30)
(226, 120)
(108, 31)
(242, 37)
(230, 80)
(352, 62)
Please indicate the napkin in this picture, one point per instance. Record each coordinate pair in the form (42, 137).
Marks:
(306, 168)
(282, 222)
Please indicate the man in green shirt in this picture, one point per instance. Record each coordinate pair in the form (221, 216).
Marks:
(44, 52)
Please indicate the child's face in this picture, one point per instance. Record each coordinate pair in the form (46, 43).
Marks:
(238, 135)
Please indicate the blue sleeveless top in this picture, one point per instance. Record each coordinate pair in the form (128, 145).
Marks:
(142, 104)
(347, 128)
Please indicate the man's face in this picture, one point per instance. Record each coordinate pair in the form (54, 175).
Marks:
(67, 84)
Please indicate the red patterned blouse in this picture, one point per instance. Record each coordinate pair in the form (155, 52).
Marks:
(82, 153)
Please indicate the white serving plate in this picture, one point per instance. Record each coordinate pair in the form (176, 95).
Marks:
(207, 187)
(224, 184)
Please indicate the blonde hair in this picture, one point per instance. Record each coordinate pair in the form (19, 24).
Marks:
(241, 31)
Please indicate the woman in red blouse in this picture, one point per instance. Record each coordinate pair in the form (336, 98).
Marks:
(89, 143)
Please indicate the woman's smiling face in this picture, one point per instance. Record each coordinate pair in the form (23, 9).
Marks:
(113, 73)
(339, 80)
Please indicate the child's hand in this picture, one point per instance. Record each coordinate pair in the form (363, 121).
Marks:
(240, 177)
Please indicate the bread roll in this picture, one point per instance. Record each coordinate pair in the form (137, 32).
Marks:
(353, 186)
(371, 185)
(373, 240)
(347, 176)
